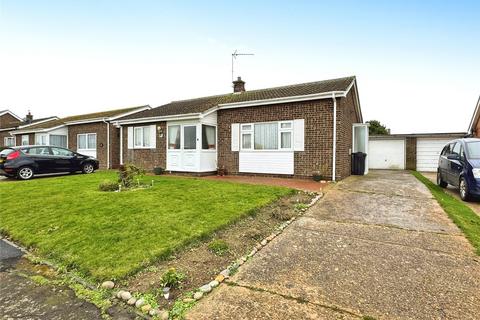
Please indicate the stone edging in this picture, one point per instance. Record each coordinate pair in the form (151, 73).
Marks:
(209, 287)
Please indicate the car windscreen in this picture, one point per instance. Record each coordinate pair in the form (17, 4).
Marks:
(6, 152)
(473, 149)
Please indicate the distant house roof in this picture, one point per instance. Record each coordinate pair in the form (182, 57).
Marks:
(475, 117)
(200, 105)
(6, 111)
(82, 118)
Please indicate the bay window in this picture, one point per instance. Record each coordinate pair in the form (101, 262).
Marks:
(267, 136)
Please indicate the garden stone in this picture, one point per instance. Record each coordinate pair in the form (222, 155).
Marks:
(220, 278)
(126, 295)
(108, 285)
(214, 284)
(146, 308)
(205, 288)
(198, 295)
(119, 294)
(164, 315)
(264, 242)
(188, 300)
(240, 262)
(225, 273)
(131, 301)
(153, 312)
(140, 302)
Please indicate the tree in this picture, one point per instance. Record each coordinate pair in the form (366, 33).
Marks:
(376, 128)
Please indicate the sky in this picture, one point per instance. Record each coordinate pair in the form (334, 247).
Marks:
(416, 62)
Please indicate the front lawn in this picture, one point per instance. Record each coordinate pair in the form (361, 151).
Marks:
(464, 217)
(109, 235)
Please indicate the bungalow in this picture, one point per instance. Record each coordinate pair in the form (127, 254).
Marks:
(90, 134)
(295, 130)
(9, 121)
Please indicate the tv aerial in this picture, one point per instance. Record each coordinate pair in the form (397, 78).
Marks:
(235, 54)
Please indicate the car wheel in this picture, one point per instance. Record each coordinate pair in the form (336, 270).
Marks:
(25, 173)
(464, 192)
(440, 181)
(88, 168)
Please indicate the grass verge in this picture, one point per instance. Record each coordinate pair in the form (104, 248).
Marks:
(464, 217)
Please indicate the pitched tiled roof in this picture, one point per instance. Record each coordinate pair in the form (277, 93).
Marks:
(89, 116)
(199, 105)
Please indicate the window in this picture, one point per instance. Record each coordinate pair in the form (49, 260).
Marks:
(189, 137)
(42, 151)
(142, 137)
(61, 152)
(25, 140)
(174, 137)
(473, 149)
(41, 139)
(446, 150)
(87, 141)
(456, 148)
(58, 140)
(267, 136)
(208, 137)
(9, 141)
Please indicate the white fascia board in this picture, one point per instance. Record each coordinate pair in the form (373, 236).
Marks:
(69, 123)
(37, 130)
(37, 122)
(357, 99)
(475, 117)
(157, 119)
(12, 114)
(6, 129)
(129, 113)
(253, 103)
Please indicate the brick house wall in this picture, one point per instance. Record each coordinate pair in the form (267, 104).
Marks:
(100, 128)
(147, 158)
(8, 121)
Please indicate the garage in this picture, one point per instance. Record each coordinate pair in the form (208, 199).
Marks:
(428, 151)
(384, 153)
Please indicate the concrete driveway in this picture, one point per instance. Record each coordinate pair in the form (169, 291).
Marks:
(376, 246)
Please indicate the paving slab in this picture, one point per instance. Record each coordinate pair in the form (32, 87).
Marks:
(378, 245)
(233, 303)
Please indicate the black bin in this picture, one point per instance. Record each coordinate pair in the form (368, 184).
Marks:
(358, 163)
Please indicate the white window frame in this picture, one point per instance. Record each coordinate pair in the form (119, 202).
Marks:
(142, 132)
(7, 139)
(39, 140)
(27, 140)
(244, 130)
(86, 141)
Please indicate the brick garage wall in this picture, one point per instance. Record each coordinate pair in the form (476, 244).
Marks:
(411, 153)
(100, 129)
(318, 117)
(147, 158)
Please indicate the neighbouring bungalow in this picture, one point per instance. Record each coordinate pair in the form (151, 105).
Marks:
(90, 134)
(474, 127)
(10, 121)
(295, 131)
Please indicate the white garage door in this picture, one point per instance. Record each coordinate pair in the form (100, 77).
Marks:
(428, 150)
(386, 154)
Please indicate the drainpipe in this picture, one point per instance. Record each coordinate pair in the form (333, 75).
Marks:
(334, 136)
(121, 144)
(108, 143)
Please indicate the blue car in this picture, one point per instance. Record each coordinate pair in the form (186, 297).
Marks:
(459, 166)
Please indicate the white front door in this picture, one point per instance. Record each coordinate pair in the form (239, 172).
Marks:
(182, 151)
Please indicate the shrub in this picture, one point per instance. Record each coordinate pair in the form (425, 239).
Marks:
(172, 278)
(127, 174)
(218, 247)
(282, 213)
(108, 185)
(158, 170)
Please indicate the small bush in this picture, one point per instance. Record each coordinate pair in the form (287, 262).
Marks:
(172, 278)
(300, 207)
(218, 247)
(282, 213)
(108, 185)
(127, 174)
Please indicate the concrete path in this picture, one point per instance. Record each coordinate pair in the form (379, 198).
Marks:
(473, 204)
(376, 246)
